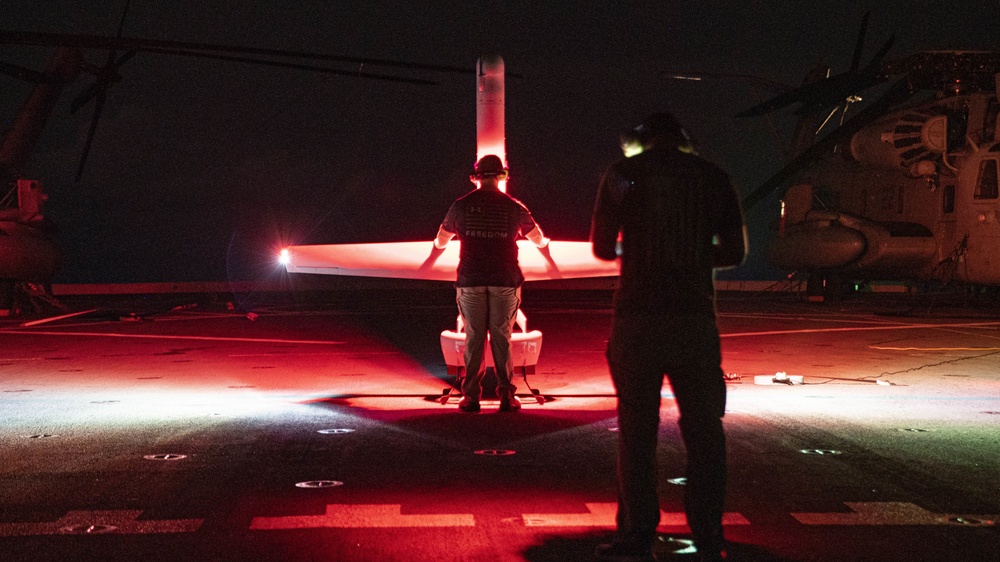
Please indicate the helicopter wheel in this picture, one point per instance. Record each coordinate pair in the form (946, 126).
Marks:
(7, 297)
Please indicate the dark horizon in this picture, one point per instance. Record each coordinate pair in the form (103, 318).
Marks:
(201, 169)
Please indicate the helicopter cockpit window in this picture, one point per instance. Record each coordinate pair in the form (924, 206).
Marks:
(986, 187)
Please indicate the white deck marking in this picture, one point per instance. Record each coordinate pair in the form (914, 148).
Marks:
(885, 513)
(166, 337)
(890, 348)
(859, 329)
(369, 516)
(603, 515)
(362, 517)
(123, 521)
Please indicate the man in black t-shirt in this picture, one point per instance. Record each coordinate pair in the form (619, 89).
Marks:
(672, 218)
(488, 222)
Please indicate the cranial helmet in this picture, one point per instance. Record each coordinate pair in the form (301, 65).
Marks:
(662, 127)
(489, 166)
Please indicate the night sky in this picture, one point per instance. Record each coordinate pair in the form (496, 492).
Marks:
(201, 169)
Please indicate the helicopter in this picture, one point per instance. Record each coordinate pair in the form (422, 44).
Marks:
(29, 255)
(28, 252)
(907, 188)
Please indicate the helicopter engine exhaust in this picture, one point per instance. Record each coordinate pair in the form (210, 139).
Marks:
(901, 143)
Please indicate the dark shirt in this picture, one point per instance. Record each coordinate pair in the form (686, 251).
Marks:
(668, 206)
(488, 222)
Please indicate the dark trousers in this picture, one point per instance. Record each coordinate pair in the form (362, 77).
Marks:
(685, 348)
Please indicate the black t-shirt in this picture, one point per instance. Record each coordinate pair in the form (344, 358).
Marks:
(488, 222)
(668, 206)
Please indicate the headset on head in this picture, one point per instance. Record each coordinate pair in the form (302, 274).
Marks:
(662, 126)
(500, 176)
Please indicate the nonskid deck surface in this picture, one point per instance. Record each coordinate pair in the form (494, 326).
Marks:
(308, 427)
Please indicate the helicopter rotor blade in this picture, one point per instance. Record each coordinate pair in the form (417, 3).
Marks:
(698, 76)
(860, 44)
(124, 58)
(121, 22)
(292, 65)
(83, 98)
(23, 73)
(836, 94)
(850, 84)
(896, 94)
(798, 95)
(100, 98)
(106, 76)
(11, 37)
(877, 59)
(833, 90)
(840, 96)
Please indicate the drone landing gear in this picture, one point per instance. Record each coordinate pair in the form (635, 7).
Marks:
(455, 391)
(525, 347)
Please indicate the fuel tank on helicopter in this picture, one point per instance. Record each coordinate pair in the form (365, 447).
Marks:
(27, 249)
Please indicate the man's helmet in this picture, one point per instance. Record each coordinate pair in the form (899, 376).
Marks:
(489, 166)
(663, 129)
(630, 142)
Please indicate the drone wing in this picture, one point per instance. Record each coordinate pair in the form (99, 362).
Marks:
(420, 260)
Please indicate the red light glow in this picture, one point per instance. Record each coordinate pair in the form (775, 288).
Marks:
(490, 136)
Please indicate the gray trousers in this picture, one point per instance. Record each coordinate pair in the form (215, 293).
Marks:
(488, 310)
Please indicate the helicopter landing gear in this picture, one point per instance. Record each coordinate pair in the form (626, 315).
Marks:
(7, 297)
(825, 287)
(21, 297)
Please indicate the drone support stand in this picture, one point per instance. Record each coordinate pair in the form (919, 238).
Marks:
(525, 348)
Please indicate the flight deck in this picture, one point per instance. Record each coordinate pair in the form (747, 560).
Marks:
(310, 426)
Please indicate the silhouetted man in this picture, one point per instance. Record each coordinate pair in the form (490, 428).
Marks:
(672, 218)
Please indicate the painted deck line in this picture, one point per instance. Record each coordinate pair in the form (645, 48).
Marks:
(362, 517)
(101, 522)
(891, 513)
(860, 329)
(603, 515)
(166, 337)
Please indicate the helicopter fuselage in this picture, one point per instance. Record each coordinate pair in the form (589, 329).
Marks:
(912, 195)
